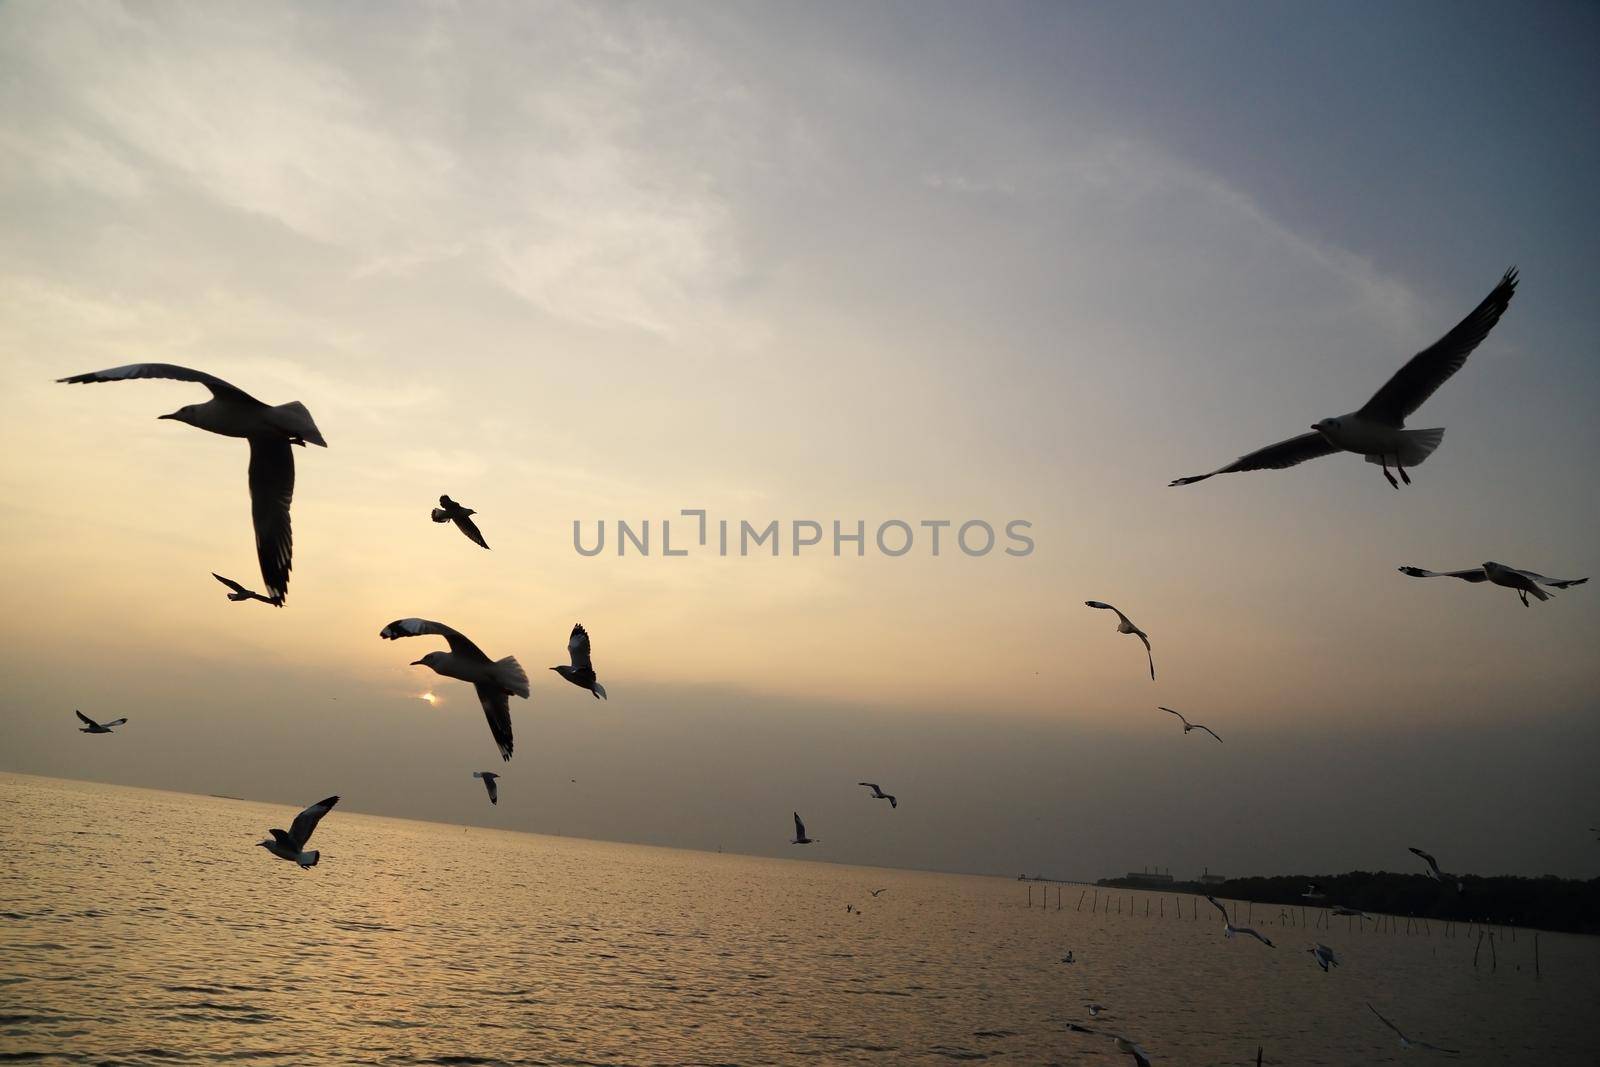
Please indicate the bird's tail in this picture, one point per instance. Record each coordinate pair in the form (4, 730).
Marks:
(509, 675)
(1416, 446)
(293, 419)
(600, 691)
(309, 859)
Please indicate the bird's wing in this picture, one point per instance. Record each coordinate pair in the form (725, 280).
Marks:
(230, 583)
(893, 803)
(470, 528)
(86, 720)
(1208, 730)
(1432, 367)
(439, 515)
(217, 386)
(578, 648)
(490, 784)
(872, 786)
(282, 837)
(497, 709)
(1149, 655)
(418, 627)
(271, 491)
(1385, 1022)
(1433, 863)
(1436, 1048)
(1169, 711)
(799, 827)
(1288, 453)
(115, 722)
(1554, 583)
(1219, 907)
(1471, 574)
(1107, 607)
(1255, 934)
(307, 820)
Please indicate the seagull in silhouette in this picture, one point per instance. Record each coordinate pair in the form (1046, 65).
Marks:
(449, 511)
(1228, 929)
(1069, 957)
(1433, 869)
(241, 593)
(1324, 956)
(1526, 583)
(879, 794)
(270, 430)
(1407, 1042)
(488, 783)
(91, 727)
(1187, 725)
(875, 892)
(1377, 430)
(291, 845)
(800, 837)
(1140, 1057)
(1126, 626)
(495, 680)
(581, 673)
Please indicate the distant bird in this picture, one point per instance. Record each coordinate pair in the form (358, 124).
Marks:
(449, 511)
(292, 845)
(1526, 583)
(848, 908)
(581, 673)
(800, 837)
(1228, 929)
(1126, 626)
(1433, 869)
(232, 412)
(875, 892)
(92, 727)
(241, 593)
(1324, 956)
(1407, 1042)
(1095, 1010)
(1187, 725)
(495, 680)
(1313, 892)
(489, 784)
(1069, 958)
(1341, 909)
(1376, 430)
(1140, 1057)
(879, 794)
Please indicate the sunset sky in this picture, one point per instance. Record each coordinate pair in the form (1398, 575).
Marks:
(809, 262)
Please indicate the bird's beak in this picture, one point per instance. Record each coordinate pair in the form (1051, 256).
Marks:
(173, 415)
(418, 663)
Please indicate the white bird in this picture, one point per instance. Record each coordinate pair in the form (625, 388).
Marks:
(1313, 892)
(92, 727)
(489, 784)
(1228, 929)
(1526, 583)
(879, 794)
(1187, 725)
(1126, 626)
(270, 430)
(1377, 430)
(1407, 1042)
(1433, 869)
(800, 837)
(1324, 956)
(240, 593)
(291, 845)
(1095, 1010)
(495, 680)
(581, 673)
(1341, 909)
(449, 511)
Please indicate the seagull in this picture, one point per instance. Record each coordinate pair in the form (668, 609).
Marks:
(1324, 956)
(1406, 1042)
(488, 783)
(1341, 909)
(875, 892)
(1125, 626)
(270, 430)
(1376, 430)
(292, 845)
(495, 680)
(241, 593)
(581, 673)
(1313, 892)
(1095, 1010)
(92, 727)
(1228, 929)
(1433, 869)
(1140, 1056)
(800, 837)
(449, 511)
(1526, 583)
(879, 794)
(1187, 725)
(1068, 958)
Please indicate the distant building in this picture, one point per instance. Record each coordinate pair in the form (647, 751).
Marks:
(1149, 877)
(1207, 878)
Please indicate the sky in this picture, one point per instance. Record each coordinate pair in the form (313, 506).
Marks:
(916, 262)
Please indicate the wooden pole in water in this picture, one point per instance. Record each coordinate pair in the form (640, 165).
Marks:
(1536, 955)
(1477, 950)
(1030, 896)
(1081, 895)
(1494, 961)
(1258, 1056)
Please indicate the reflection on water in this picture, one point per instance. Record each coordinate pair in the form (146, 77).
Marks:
(138, 926)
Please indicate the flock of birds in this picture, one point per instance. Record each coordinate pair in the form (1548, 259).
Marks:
(1375, 431)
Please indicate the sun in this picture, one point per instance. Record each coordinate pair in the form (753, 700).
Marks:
(429, 699)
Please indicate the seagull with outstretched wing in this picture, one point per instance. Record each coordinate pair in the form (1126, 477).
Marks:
(1126, 626)
(1187, 725)
(449, 511)
(879, 794)
(240, 593)
(489, 784)
(1324, 956)
(1433, 869)
(1526, 583)
(91, 727)
(495, 680)
(581, 671)
(800, 837)
(1411, 1042)
(291, 844)
(1228, 929)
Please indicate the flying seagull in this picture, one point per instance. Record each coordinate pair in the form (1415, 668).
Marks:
(1376, 430)
(1526, 583)
(449, 511)
(800, 837)
(879, 794)
(1095, 1009)
(1433, 869)
(875, 892)
(1406, 1042)
(1228, 929)
(581, 673)
(1125, 626)
(270, 430)
(292, 845)
(1313, 892)
(1140, 1057)
(1324, 956)
(241, 593)
(1187, 725)
(488, 783)
(1343, 909)
(92, 727)
(495, 680)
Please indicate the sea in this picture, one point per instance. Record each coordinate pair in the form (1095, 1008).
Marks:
(144, 927)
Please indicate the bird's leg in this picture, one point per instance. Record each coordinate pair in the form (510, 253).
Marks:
(1385, 461)
(1524, 596)
(1404, 477)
